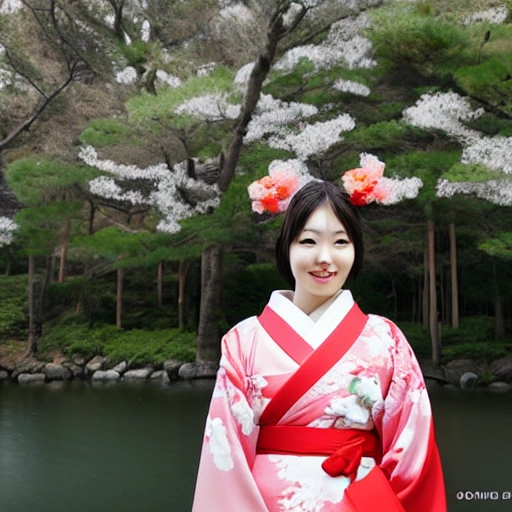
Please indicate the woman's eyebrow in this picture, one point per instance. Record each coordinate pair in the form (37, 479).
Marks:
(318, 232)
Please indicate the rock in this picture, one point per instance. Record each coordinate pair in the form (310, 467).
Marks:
(95, 364)
(25, 378)
(468, 380)
(79, 361)
(55, 371)
(502, 370)
(455, 369)
(197, 371)
(500, 386)
(106, 375)
(157, 375)
(77, 371)
(30, 366)
(139, 374)
(121, 367)
(4, 375)
(172, 368)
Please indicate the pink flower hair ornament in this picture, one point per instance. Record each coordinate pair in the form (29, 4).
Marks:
(366, 184)
(273, 193)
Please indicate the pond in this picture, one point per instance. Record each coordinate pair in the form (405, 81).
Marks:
(135, 447)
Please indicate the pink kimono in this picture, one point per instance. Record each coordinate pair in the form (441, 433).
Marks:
(322, 416)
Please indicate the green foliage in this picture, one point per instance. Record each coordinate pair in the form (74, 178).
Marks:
(36, 180)
(490, 124)
(500, 246)
(136, 53)
(414, 43)
(470, 173)
(485, 352)
(147, 107)
(105, 132)
(137, 347)
(14, 310)
(247, 290)
(489, 81)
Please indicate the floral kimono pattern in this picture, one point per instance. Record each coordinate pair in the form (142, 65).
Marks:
(322, 416)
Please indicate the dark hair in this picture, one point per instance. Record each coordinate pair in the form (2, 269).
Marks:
(304, 202)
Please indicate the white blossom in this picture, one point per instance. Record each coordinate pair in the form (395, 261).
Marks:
(243, 74)
(7, 228)
(496, 15)
(168, 189)
(219, 444)
(10, 6)
(145, 31)
(444, 111)
(314, 139)
(493, 152)
(401, 189)
(496, 191)
(236, 13)
(271, 114)
(210, 107)
(206, 69)
(352, 87)
(170, 80)
(127, 76)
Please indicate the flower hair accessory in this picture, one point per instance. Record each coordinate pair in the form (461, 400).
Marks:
(273, 193)
(366, 184)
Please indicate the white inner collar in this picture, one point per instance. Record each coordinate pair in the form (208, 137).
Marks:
(317, 326)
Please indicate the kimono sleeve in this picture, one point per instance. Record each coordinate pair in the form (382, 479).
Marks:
(224, 480)
(410, 457)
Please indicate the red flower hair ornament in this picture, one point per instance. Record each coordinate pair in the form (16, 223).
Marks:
(366, 184)
(273, 193)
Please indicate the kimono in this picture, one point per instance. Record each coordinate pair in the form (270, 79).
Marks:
(318, 416)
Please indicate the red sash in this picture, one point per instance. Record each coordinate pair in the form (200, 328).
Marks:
(313, 363)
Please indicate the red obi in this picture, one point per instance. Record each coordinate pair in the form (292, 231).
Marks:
(345, 447)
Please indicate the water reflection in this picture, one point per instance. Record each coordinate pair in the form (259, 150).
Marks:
(133, 447)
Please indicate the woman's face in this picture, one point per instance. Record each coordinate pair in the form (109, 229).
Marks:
(320, 258)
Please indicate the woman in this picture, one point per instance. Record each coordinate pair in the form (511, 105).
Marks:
(317, 406)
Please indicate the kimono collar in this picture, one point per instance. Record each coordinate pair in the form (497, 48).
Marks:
(281, 302)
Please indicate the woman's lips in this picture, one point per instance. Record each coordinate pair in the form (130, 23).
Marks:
(322, 276)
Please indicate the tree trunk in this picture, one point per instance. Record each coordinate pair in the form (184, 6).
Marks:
(208, 336)
(64, 251)
(32, 329)
(454, 279)
(433, 325)
(182, 279)
(425, 299)
(159, 284)
(119, 298)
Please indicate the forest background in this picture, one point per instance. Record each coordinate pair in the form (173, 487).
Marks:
(130, 130)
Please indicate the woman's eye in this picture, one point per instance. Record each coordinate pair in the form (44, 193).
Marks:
(307, 241)
(342, 241)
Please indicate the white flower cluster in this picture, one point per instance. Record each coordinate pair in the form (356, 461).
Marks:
(352, 87)
(493, 152)
(127, 76)
(145, 31)
(206, 69)
(293, 165)
(273, 114)
(495, 15)
(7, 228)
(243, 74)
(313, 139)
(168, 189)
(210, 107)
(236, 13)
(10, 6)
(401, 189)
(444, 111)
(170, 80)
(343, 43)
(496, 191)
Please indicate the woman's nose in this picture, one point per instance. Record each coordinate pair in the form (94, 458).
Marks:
(324, 255)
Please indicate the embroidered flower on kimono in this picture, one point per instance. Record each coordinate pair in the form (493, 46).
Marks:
(364, 184)
(350, 409)
(219, 444)
(367, 389)
(243, 414)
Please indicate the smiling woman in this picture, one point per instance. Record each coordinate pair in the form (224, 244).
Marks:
(317, 406)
